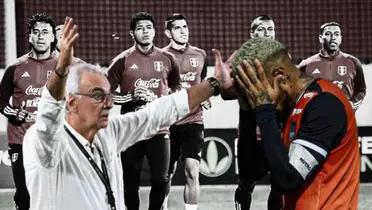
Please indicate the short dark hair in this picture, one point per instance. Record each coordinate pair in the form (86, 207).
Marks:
(322, 27)
(140, 16)
(44, 18)
(254, 23)
(172, 18)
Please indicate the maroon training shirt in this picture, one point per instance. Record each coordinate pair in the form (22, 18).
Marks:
(23, 81)
(193, 68)
(155, 70)
(342, 69)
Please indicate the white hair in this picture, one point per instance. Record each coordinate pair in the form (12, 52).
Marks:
(260, 48)
(74, 77)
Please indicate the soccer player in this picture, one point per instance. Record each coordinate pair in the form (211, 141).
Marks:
(252, 164)
(144, 67)
(187, 136)
(332, 64)
(23, 82)
(307, 159)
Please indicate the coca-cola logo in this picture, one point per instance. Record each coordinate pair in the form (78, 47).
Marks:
(34, 91)
(189, 76)
(152, 83)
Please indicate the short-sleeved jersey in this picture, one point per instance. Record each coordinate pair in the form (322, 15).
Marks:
(336, 183)
(193, 69)
(23, 82)
(156, 70)
(342, 69)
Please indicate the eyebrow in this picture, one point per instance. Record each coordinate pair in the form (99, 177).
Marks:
(94, 89)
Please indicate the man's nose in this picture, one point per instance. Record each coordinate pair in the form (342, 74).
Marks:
(146, 30)
(108, 103)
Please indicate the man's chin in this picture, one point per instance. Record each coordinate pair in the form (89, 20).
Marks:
(103, 125)
(39, 51)
(144, 44)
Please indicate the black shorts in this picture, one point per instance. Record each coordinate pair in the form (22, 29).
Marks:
(186, 141)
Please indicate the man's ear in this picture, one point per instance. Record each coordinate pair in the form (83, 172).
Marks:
(321, 39)
(29, 39)
(131, 33)
(71, 104)
(168, 33)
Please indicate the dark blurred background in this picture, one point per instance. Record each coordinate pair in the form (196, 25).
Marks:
(221, 24)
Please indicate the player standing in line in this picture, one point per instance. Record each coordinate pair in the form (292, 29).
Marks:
(23, 82)
(252, 164)
(332, 64)
(144, 73)
(187, 135)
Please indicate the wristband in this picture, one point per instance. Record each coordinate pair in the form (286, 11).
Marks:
(215, 85)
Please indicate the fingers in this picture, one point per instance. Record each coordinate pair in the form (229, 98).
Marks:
(245, 80)
(217, 56)
(252, 74)
(277, 82)
(261, 73)
(67, 26)
(70, 34)
(246, 91)
(75, 35)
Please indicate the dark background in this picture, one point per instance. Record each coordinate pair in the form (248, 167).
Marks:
(217, 24)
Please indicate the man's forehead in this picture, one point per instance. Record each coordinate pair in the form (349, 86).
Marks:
(42, 25)
(332, 28)
(143, 23)
(179, 23)
(92, 81)
(265, 23)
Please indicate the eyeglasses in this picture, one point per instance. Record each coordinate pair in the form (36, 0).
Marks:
(98, 97)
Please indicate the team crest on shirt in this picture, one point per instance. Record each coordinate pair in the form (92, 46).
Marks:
(194, 62)
(158, 66)
(49, 73)
(342, 70)
(14, 157)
